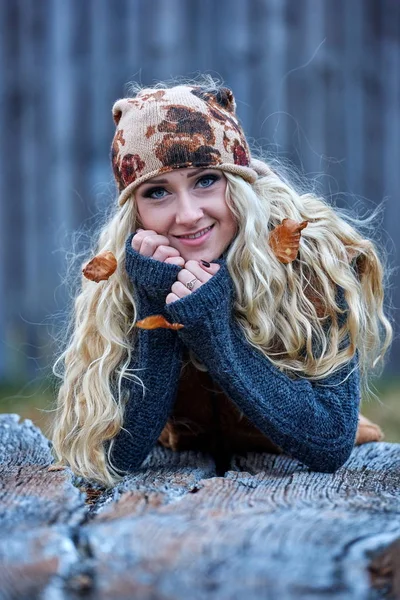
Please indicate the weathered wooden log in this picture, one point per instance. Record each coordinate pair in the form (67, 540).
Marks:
(269, 528)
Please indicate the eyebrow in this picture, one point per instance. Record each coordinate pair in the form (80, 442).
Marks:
(196, 172)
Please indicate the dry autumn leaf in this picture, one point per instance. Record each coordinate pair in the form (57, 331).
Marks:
(92, 495)
(101, 267)
(157, 321)
(285, 240)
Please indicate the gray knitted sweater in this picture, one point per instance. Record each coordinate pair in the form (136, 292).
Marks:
(314, 422)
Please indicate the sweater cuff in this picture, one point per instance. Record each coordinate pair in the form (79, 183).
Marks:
(213, 301)
(155, 276)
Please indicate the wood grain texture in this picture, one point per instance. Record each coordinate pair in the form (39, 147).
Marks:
(268, 528)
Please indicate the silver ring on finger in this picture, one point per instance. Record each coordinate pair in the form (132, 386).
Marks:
(190, 284)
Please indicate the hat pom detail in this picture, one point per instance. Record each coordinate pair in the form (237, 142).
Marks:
(226, 99)
(117, 110)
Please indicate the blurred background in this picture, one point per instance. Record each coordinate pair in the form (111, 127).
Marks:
(317, 83)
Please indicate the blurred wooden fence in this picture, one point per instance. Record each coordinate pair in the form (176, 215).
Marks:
(316, 81)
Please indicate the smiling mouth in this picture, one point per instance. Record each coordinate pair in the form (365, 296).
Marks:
(195, 235)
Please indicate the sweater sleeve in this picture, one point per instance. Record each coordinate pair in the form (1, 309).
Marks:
(151, 279)
(157, 358)
(314, 422)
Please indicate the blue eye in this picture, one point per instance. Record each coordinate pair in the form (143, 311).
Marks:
(158, 193)
(207, 180)
(155, 193)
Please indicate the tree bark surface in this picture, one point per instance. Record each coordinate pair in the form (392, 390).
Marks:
(268, 528)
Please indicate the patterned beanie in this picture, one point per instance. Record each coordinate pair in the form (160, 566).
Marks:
(184, 126)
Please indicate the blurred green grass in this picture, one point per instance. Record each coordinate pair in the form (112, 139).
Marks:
(37, 402)
(30, 401)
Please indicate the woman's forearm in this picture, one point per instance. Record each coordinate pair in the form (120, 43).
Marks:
(315, 422)
(158, 361)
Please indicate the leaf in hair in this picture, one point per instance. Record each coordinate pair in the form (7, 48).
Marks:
(157, 321)
(101, 267)
(285, 240)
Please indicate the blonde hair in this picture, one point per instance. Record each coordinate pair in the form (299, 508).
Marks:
(291, 313)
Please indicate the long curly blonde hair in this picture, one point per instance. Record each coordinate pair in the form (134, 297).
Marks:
(291, 313)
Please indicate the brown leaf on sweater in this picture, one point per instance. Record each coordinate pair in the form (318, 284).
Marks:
(285, 240)
(157, 321)
(101, 267)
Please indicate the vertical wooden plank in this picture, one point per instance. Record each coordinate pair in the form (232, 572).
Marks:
(30, 80)
(36, 153)
(114, 61)
(4, 251)
(11, 190)
(371, 185)
(353, 94)
(79, 34)
(167, 39)
(116, 41)
(46, 189)
(164, 35)
(148, 43)
(296, 87)
(101, 99)
(268, 82)
(202, 26)
(305, 21)
(313, 121)
(390, 69)
(134, 24)
(162, 41)
(231, 47)
(59, 193)
(61, 116)
(333, 74)
(209, 39)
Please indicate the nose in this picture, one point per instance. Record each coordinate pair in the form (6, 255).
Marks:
(188, 211)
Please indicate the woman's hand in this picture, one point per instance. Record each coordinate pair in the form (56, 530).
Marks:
(193, 270)
(150, 243)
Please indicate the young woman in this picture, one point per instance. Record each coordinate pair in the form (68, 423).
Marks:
(275, 303)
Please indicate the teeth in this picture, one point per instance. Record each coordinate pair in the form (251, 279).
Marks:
(192, 237)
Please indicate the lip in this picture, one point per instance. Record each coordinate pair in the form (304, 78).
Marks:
(196, 241)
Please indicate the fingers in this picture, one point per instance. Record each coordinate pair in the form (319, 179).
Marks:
(212, 269)
(175, 260)
(179, 289)
(149, 243)
(195, 273)
(200, 270)
(171, 298)
(193, 269)
(163, 252)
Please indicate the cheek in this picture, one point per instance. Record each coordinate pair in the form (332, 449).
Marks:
(227, 217)
(140, 212)
(147, 217)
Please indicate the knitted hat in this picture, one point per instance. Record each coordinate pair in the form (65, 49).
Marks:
(184, 126)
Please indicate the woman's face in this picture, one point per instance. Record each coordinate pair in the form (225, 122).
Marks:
(184, 202)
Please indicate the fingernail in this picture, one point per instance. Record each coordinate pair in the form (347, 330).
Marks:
(205, 263)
